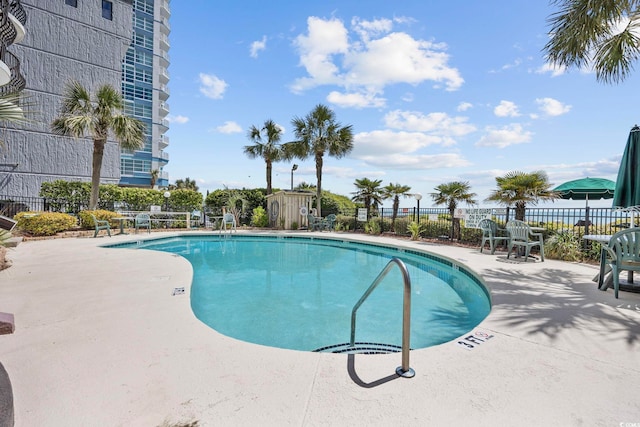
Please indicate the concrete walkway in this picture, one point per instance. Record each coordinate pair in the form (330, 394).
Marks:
(101, 341)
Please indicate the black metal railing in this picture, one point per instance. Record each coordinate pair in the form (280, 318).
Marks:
(436, 222)
(16, 9)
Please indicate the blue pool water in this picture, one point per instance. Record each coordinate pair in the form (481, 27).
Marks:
(298, 293)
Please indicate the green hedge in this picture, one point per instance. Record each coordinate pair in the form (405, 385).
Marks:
(86, 221)
(45, 223)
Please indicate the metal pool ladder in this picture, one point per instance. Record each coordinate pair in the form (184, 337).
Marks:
(404, 370)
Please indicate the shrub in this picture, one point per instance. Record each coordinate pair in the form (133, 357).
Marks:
(86, 221)
(259, 217)
(565, 246)
(45, 223)
(414, 229)
(294, 225)
(372, 227)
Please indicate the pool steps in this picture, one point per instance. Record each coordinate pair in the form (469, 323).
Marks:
(360, 348)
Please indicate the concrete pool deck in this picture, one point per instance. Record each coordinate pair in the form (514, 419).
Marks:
(100, 341)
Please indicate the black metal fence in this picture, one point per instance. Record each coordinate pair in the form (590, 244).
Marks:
(580, 220)
(437, 221)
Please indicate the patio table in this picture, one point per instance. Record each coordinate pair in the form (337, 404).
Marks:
(121, 220)
(604, 278)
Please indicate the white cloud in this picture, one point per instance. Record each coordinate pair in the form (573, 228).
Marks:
(368, 29)
(356, 100)
(437, 124)
(177, 119)
(464, 106)
(211, 86)
(257, 46)
(417, 162)
(553, 69)
(506, 109)
(229, 127)
(370, 58)
(552, 107)
(383, 143)
(505, 136)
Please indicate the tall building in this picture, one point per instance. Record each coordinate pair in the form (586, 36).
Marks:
(94, 43)
(145, 80)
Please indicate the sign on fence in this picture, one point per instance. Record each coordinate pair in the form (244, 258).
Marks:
(155, 208)
(473, 216)
(362, 214)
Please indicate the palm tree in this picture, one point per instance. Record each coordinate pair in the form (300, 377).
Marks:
(451, 194)
(98, 117)
(266, 145)
(154, 174)
(395, 191)
(316, 134)
(369, 193)
(11, 110)
(591, 33)
(520, 188)
(184, 184)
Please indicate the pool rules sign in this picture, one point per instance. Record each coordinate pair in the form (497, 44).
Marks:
(472, 217)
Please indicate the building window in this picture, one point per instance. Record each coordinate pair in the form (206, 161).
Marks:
(73, 3)
(145, 6)
(107, 10)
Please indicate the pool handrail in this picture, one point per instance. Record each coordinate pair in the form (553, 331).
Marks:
(404, 370)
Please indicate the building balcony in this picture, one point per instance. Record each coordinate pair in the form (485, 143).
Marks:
(164, 109)
(164, 59)
(163, 142)
(163, 91)
(10, 66)
(164, 175)
(164, 157)
(164, 42)
(8, 32)
(16, 9)
(163, 75)
(20, 31)
(164, 9)
(165, 27)
(5, 74)
(164, 125)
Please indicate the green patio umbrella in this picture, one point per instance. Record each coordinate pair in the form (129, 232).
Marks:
(627, 192)
(586, 189)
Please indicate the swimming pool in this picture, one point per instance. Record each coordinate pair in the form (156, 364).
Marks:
(297, 292)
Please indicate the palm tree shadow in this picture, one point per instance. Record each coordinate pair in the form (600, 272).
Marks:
(351, 369)
(557, 302)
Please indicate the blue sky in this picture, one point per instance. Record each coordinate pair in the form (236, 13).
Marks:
(435, 92)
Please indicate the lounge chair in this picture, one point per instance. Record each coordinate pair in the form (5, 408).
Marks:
(142, 220)
(493, 234)
(100, 225)
(520, 235)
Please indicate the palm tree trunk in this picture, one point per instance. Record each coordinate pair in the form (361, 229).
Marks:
(396, 205)
(269, 168)
(98, 153)
(520, 211)
(319, 186)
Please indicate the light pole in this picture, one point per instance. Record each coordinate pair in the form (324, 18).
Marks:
(292, 169)
(166, 207)
(418, 197)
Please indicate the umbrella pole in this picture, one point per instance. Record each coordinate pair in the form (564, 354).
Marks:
(586, 214)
